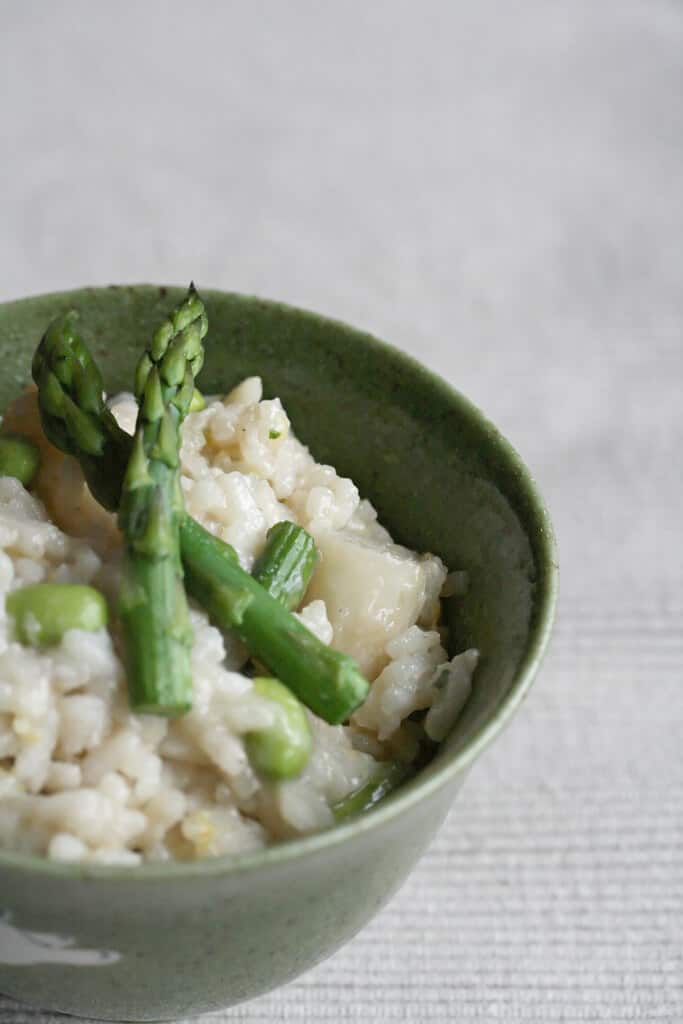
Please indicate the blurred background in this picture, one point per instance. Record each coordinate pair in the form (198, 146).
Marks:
(494, 187)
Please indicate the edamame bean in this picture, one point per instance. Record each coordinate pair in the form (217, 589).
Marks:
(43, 612)
(282, 750)
(19, 457)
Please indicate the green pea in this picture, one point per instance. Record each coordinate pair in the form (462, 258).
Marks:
(282, 750)
(43, 612)
(19, 457)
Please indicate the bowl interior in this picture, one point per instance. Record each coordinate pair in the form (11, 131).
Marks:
(440, 475)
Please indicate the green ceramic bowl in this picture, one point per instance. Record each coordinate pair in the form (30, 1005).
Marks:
(167, 940)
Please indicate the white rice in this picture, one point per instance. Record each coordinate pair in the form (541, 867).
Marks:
(83, 779)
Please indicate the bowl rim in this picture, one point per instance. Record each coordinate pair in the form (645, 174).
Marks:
(417, 788)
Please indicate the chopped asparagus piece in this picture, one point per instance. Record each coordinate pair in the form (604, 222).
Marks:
(390, 774)
(327, 681)
(287, 563)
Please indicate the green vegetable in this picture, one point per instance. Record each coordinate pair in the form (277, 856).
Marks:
(287, 563)
(152, 605)
(76, 419)
(19, 457)
(389, 775)
(282, 750)
(43, 612)
(72, 409)
(198, 402)
(327, 681)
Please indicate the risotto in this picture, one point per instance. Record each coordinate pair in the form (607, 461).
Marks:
(85, 778)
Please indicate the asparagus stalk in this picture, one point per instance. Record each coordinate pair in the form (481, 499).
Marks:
(287, 564)
(328, 681)
(152, 603)
(74, 416)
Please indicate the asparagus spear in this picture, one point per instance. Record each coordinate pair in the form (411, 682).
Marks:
(73, 413)
(287, 564)
(152, 604)
(329, 682)
(177, 352)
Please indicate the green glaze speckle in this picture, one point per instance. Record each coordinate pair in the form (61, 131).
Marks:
(201, 936)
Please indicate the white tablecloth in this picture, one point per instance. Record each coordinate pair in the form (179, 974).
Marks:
(495, 187)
